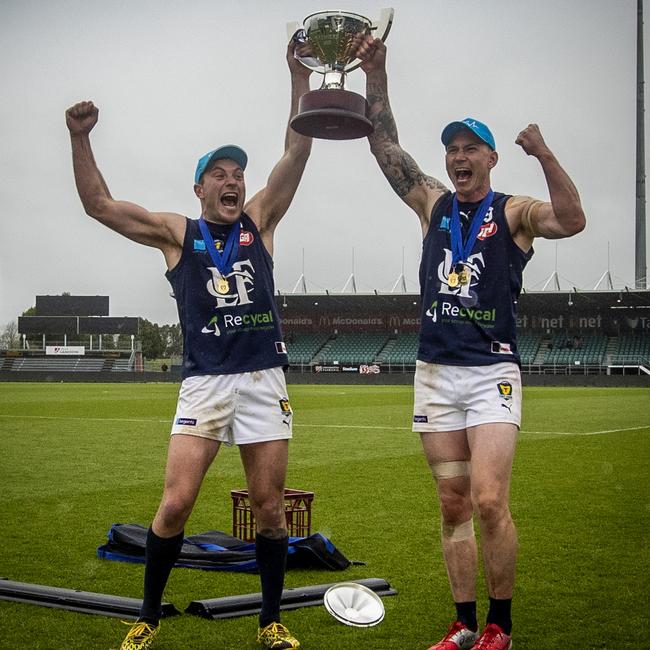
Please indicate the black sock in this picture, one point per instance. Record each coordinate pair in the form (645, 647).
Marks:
(161, 555)
(499, 613)
(466, 614)
(271, 556)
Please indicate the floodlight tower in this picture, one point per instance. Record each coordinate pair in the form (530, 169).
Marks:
(640, 269)
(301, 285)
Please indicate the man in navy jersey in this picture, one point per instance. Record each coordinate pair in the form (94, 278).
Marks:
(233, 389)
(467, 405)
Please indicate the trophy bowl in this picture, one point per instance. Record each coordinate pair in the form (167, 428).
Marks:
(332, 112)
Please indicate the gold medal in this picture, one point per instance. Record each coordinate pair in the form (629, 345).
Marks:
(452, 279)
(223, 287)
(464, 276)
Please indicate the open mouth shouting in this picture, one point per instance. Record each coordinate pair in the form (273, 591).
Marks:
(462, 174)
(230, 199)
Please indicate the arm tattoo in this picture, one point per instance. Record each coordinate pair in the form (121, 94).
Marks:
(381, 116)
(403, 173)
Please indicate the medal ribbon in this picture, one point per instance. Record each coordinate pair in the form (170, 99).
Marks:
(225, 259)
(461, 251)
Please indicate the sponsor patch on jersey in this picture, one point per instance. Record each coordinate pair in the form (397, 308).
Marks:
(420, 418)
(501, 348)
(444, 223)
(285, 407)
(505, 389)
(487, 230)
(280, 347)
(186, 422)
(245, 238)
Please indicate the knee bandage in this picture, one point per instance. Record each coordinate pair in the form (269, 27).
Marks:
(458, 533)
(450, 469)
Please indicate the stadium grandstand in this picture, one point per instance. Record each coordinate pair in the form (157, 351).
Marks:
(560, 333)
(73, 334)
(590, 332)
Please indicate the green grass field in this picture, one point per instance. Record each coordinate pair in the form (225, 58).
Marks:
(75, 458)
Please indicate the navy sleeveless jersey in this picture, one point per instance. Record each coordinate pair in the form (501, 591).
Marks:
(474, 324)
(236, 332)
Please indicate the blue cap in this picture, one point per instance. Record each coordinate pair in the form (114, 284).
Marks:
(469, 123)
(230, 151)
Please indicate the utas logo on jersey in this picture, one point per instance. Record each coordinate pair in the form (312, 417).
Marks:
(241, 285)
(474, 265)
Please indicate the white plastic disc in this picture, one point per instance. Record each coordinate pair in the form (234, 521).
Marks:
(353, 604)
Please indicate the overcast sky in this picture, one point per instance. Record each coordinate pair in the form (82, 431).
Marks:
(176, 79)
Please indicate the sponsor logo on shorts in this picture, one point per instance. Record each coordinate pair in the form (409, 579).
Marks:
(420, 418)
(285, 407)
(505, 392)
(186, 422)
(505, 389)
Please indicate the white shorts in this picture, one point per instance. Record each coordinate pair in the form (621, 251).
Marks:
(452, 398)
(235, 409)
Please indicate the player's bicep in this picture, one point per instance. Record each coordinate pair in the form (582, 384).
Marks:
(537, 218)
(522, 215)
(157, 229)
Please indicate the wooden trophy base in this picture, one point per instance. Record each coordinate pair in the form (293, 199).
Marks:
(332, 115)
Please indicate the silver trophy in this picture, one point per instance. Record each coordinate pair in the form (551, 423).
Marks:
(332, 112)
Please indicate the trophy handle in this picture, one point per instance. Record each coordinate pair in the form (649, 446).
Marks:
(381, 29)
(295, 32)
(292, 29)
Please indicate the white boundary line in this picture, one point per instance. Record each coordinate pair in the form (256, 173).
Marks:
(585, 433)
(321, 426)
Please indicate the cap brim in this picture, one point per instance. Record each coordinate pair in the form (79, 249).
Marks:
(231, 152)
